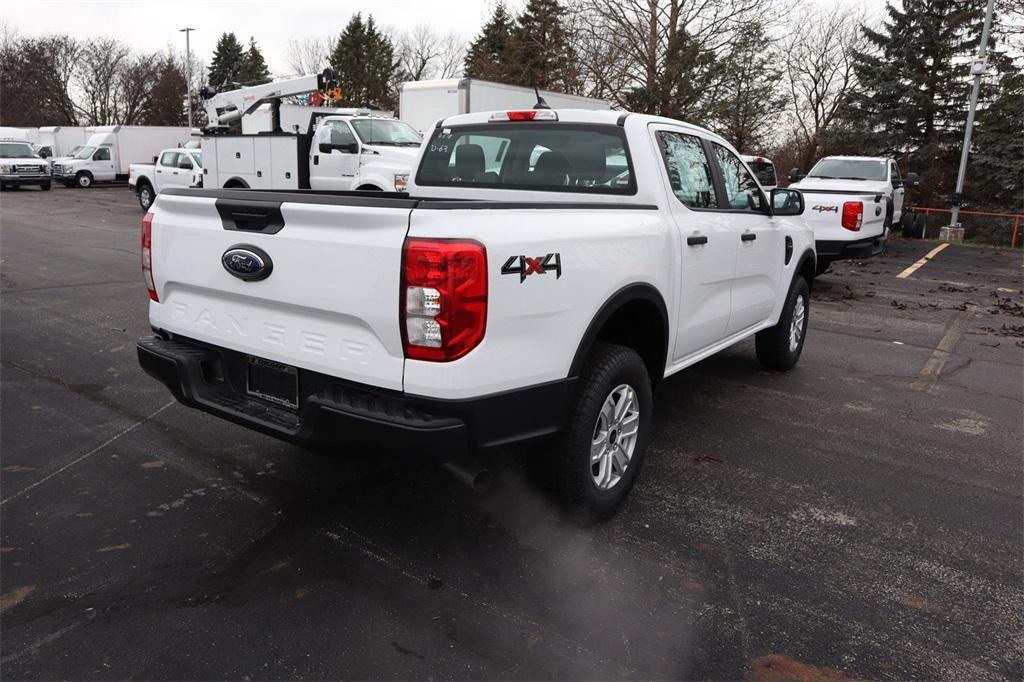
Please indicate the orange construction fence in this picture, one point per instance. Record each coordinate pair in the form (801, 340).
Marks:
(1016, 218)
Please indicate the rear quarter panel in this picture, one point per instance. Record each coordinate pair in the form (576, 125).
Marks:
(535, 324)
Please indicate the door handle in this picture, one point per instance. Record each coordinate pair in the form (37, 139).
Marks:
(748, 236)
(697, 240)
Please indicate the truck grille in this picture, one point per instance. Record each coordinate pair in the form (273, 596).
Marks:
(29, 169)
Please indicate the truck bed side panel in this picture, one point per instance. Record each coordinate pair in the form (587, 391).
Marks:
(535, 323)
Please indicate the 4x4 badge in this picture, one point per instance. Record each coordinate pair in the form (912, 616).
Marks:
(524, 266)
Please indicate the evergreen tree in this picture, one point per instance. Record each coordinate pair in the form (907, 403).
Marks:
(489, 57)
(253, 69)
(914, 89)
(226, 66)
(364, 63)
(995, 174)
(168, 97)
(540, 47)
(750, 99)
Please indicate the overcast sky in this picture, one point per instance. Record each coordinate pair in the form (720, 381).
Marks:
(151, 25)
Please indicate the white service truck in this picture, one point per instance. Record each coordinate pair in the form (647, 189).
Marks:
(852, 204)
(421, 103)
(111, 149)
(19, 163)
(530, 295)
(177, 167)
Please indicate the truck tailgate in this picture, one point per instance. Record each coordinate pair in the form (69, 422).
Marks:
(824, 211)
(331, 301)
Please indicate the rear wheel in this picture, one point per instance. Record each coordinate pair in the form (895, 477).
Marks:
(83, 180)
(145, 196)
(45, 186)
(920, 225)
(779, 347)
(600, 452)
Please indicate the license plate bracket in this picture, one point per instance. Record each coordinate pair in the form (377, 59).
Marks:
(272, 381)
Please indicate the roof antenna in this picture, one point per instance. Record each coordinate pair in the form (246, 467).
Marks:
(541, 104)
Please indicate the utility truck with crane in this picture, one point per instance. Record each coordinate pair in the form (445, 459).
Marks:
(353, 150)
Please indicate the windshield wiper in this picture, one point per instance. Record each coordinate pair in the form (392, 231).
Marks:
(822, 177)
(849, 178)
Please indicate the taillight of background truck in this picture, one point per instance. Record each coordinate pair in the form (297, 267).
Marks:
(853, 215)
(444, 298)
(147, 255)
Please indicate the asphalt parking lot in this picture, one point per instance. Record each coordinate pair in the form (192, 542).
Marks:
(861, 516)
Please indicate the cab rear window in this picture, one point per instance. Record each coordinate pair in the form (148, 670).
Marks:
(551, 157)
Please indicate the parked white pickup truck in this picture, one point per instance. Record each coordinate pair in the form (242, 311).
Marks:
(177, 167)
(852, 204)
(545, 269)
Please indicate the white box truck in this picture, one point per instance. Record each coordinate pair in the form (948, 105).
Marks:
(421, 103)
(57, 141)
(111, 149)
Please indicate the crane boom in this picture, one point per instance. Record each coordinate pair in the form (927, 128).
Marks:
(223, 108)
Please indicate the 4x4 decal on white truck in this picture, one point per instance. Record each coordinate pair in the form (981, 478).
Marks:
(825, 209)
(525, 266)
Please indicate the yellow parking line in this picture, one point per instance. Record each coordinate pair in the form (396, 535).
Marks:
(928, 256)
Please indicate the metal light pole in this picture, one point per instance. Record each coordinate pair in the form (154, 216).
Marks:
(188, 69)
(977, 70)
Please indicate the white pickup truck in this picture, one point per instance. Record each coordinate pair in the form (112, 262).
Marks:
(177, 167)
(545, 269)
(852, 204)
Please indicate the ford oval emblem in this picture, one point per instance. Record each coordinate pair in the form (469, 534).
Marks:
(247, 263)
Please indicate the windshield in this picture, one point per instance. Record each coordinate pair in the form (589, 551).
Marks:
(849, 169)
(385, 132)
(84, 152)
(552, 157)
(16, 150)
(75, 150)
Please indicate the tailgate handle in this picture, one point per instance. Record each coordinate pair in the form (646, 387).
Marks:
(250, 215)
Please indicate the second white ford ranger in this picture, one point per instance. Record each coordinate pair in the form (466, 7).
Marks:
(543, 272)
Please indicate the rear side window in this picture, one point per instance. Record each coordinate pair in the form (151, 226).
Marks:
(169, 159)
(689, 173)
(553, 157)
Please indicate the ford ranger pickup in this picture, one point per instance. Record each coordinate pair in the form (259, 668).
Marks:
(544, 271)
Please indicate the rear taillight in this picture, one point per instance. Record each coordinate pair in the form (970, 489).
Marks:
(147, 255)
(853, 215)
(444, 298)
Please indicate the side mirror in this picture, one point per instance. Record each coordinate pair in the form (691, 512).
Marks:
(911, 180)
(787, 202)
(794, 174)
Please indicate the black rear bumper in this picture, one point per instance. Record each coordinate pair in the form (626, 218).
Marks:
(333, 412)
(861, 248)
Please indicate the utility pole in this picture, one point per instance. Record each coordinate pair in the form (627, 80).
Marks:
(954, 232)
(188, 69)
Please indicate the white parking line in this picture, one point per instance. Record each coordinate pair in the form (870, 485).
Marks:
(916, 266)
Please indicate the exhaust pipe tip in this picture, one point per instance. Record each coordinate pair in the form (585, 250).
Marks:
(471, 474)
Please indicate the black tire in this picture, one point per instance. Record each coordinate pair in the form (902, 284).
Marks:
(822, 266)
(775, 349)
(69, 185)
(84, 180)
(608, 368)
(45, 186)
(907, 222)
(146, 195)
(887, 222)
(920, 225)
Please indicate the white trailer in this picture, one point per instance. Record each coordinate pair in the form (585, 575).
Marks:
(58, 141)
(111, 149)
(421, 103)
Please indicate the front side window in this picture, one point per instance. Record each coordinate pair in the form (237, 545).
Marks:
(741, 190)
(689, 173)
(553, 157)
(894, 175)
(338, 132)
(184, 162)
(102, 154)
(168, 159)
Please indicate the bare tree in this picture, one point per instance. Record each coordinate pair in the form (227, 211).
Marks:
(97, 79)
(137, 75)
(425, 54)
(309, 55)
(820, 75)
